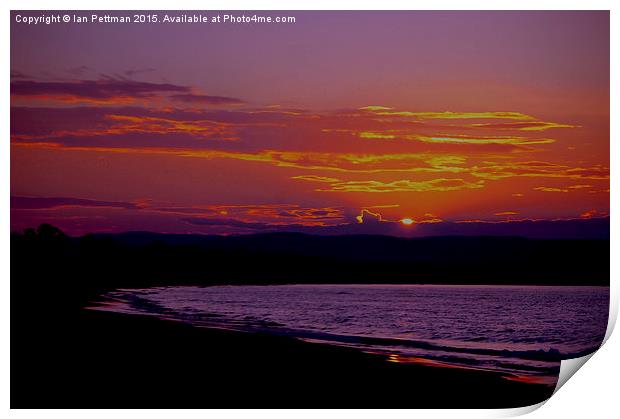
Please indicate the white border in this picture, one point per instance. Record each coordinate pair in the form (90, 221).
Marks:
(592, 393)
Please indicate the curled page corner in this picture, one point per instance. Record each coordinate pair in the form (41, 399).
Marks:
(520, 411)
(568, 368)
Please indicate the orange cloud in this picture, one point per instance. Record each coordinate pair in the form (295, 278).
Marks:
(125, 124)
(199, 128)
(272, 214)
(593, 214)
(106, 90)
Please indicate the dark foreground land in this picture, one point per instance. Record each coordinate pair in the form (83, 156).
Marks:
(109, 360)
(63, 355)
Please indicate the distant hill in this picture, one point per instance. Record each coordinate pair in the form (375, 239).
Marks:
(85, 266)
(296, 257)
(580, 228)
(366, 247)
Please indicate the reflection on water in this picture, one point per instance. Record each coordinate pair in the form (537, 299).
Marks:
(521, 331)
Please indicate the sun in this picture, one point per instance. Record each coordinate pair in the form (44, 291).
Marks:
(407, 221)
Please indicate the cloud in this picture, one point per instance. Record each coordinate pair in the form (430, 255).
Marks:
(482, 140)
(95, 91)
(600, 191)
(106, 89)
(261, 131)
(110, 125)
(19, 75)
(348, 163)
(373, 186)
(306, 220)
(154, 125)
(337, 162)
(525, 126)
(241, 219)
(375, 108)
(495, 171)
(135, 71)
(314, 178)
(269, 213)
(372, 223)
(376, 135)
(367, 216)
(407, 135)
(251, 217)
(244, 225)
(312, 214)
(548, 189)
(326, 148)
(593, 213)
(80, 70)
(378, 110)
(36, 203)
(206, 99)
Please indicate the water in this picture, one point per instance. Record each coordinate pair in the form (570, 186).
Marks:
(522, 331)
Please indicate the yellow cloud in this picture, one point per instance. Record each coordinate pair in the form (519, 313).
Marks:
(336, 162)
(367, 214)
(459, 115)
(156, 125)
(385, 206)
(546, 189)
(376, 135)
(482, 140)
(448, 139)
(495, 171)
(374, 108)
(525, 126)
(313, 178)
(405, 185)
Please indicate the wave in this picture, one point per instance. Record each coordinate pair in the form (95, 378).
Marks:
(266, 326)
(551, 354)
(502, 348)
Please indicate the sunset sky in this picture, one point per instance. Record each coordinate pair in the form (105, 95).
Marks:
(340, 119)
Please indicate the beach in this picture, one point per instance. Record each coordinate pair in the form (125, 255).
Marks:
(97, 359)
(64, 355)
(306, 209)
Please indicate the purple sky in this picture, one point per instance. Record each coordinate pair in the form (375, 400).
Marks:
(428, 116)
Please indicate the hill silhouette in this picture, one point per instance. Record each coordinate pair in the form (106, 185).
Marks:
(63, 355)
(46, 257)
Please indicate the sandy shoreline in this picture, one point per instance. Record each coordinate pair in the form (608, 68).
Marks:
(109, 360)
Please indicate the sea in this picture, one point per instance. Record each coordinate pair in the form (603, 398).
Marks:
(521, 331)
